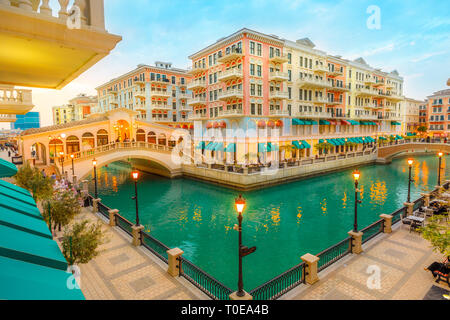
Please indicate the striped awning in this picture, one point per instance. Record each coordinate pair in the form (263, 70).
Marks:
(324, 122)
(231, 147)
(297, 122)
(305, 144)
(296, 144)
(395, 123)
(262, 147)
(201, 145)
(7, 169)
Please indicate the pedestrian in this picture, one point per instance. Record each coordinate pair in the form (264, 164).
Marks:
(43, 173)
(53, 176)
(9, 154)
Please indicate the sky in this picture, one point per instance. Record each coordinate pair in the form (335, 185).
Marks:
(412, 37)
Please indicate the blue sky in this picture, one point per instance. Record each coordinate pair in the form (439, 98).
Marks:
(414, 37)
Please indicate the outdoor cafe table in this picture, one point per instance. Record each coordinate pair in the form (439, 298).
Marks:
(416, 219)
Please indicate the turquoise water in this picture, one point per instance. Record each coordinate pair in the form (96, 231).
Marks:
(284, 221)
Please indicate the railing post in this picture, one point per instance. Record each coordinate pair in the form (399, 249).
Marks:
(112, 217)
(136, 233)
(310, 268)
(356, 243)
(174, 257)
(426, 198)
(95, 205)
(387, 225)
(409, 208)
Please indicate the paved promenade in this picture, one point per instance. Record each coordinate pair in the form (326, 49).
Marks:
(401, 257)
(123, 272)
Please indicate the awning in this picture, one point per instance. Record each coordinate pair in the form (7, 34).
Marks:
(7, 169)
(201, 145)
(382, 138)
(345, 122)
(210, 146)
(353, 122)
(297, 122)
(333, 122)
(272, 147)
(262, 147)
(307, 122)
(398, 137)
(313, 122)
(306, 144)
(218, 146)
(296, 144)
(324, 122)
(395, 123)
(231, 147)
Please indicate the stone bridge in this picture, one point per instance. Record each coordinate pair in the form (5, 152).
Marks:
(386, 153)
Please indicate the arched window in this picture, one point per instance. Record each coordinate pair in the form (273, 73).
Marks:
(140, 135)
(151, 137)
(72, 144)
(88, 140)
(162, 139)
(55, 146)
(102, 137)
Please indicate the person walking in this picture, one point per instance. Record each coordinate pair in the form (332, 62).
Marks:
(43, 173)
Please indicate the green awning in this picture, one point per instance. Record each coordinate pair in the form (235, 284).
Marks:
(306, 144)
(332, 141)
(231, 147)
(13, 187)
(324, 122)
(272, 147)
(307, 122)
(353, 122)
(201, 145)
(218, 146)
(262, 147)
(7, 169)
(398, 137)
(210, 145)
(313, 122)
(382, 138)
(296, 144)
(297, 122)
(395, 123)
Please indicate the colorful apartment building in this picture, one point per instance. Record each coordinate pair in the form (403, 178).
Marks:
(77, 109)
(63, 114)
(438, 113)
(257, 93)
(411, 114)
(158, 93)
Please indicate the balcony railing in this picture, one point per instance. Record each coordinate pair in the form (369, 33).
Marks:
(231, 55)
(196, 84)
(230, 74)
(8, 118)
(197, 116)
(278, 76)
(320, 100)
(160, 106)
(278, 58)
(231, 94)
(306, 82)
(15, 101)
(197, 101)
(320, 68)
(184, 96)
(278, 95)
(197, 69)
(335, 72)
(279, 113)
(231, 112)
(342, 88)
(311, 114)
(160, 93)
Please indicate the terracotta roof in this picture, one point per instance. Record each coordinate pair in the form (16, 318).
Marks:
(64, 125)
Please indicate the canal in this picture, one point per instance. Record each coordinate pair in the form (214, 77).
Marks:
(283, 221)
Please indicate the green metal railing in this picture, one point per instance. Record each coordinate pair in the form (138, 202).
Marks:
(372, 230)
(334, 253)
(155, 246)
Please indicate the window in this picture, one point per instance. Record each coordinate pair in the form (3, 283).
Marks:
(259, 90)
(252, 89)
(259, 49)
(289, 56)
(252, 69)
(301, 61)
(173, 80)
(252, 47)
(259, 109)
(252, 108)
(259, 71)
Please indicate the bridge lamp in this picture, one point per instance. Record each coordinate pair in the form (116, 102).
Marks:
(72, 156)
(63, 135)
(94, 163)
(356, 175)
(135, 176)
(410, 163)
(61, 160)
(240, 204)
(440, 154)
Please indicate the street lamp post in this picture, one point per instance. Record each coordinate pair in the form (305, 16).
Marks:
(243, 250)
(94, 163)
(61, 160)
(135, 175)
(440, 154)
(73, 168)
(410, 162)
(356, 175)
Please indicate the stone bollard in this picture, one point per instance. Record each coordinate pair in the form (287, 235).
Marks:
(387, 223)
(246, 296)
(311, 268)
(172, 261)
(85, 185)
(440, 190)
(95, 205)
(112, 217)
(426, 198)
(136, 233)
(409, 208)
(245, 170)
(356, 241)
(74, 180)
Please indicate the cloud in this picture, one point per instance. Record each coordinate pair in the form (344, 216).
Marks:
(427, 56)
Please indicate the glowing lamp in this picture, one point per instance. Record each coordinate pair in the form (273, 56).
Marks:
(63, 135)
(440, 154)
(72, 156)
(240, 204)
(94, 162)
(356, 174)
(135, 175)
(61, 153)
(410, 161)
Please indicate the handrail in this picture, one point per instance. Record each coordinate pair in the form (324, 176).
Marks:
(333, 253)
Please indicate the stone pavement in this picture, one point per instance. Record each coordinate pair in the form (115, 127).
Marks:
(401, 257)
(123, 272)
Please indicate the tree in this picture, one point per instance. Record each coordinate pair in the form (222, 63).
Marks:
(32, 179)
(64, 205)
(438, 234)
(323, 146)
(80, 243)
(422, 130)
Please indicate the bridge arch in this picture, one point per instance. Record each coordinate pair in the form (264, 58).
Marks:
(387, 153)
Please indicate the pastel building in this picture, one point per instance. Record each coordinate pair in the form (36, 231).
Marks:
(159, 93)
(438, 113)
(257, 97)
(411, 114)
(78, 108)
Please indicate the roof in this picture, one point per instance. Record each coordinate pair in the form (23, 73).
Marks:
(7, 169)
(64, 125)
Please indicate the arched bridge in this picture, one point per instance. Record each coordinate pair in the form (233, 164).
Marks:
(386, 153)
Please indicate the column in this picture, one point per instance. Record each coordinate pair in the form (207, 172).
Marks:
(173, 263)
(136, 233)
(387, 223)
(426, 197)
(356, 241)
(409, 208)
(112, 217)
(95, 205)
(311, 268)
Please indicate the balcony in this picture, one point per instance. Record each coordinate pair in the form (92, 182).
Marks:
(197, 116)
(197, 69)
(231, 94)
(45, 51)
(369, 81)
(230, 74)
(140, 107)
(15, 101)
(278, 58)
(320, 68)
(160, 81)
(8, 118)
(366, 92)
(112, 91)
(278, 113)
(335, 72)
(197, 101)
(334, 87)
(231, 113)
(184, 96)
(278, 76)
(311, 114)
(196, 84)
(231, 55)
(276, 95)
(307, 82)
(378, 83)
(185, 108)
(363, 115)
(160, 93)
(114, 101)
(139, 81)
(140, 94)
(332, 102)
(394, 97)
(160, 106)
(320, 100)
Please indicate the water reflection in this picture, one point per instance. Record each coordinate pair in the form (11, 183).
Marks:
(378, 192)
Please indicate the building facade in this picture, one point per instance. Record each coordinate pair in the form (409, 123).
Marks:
(159, 93)
(63, 114)
(411, 115)
(438, 113)
(26, 121)
(77, 109)
(258, 93)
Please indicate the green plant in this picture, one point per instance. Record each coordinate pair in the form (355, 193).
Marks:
(323, 146)
(422, 129)
(32, 179)
(80, 243)
(437, 232)
(64, 205)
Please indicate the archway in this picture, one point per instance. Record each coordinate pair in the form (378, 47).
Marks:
(140, 135)
(102, 137)
(122, 128)
(172, 142)
(55, 146)
(72, 144)
(87, 141)
(40, 153)
(151, 137)
(162, 139)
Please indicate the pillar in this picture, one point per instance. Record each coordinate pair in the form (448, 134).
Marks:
(356, 241)
(136, 233)
(409, 208)
(426, 197)
(74, 180)
(173, 263)
(112, 217)
(95, 205)
(387, 223)
(311, 268)
(246, 296)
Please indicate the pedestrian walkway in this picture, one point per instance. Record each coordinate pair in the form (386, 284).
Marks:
(123, 272)
(401, 258)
